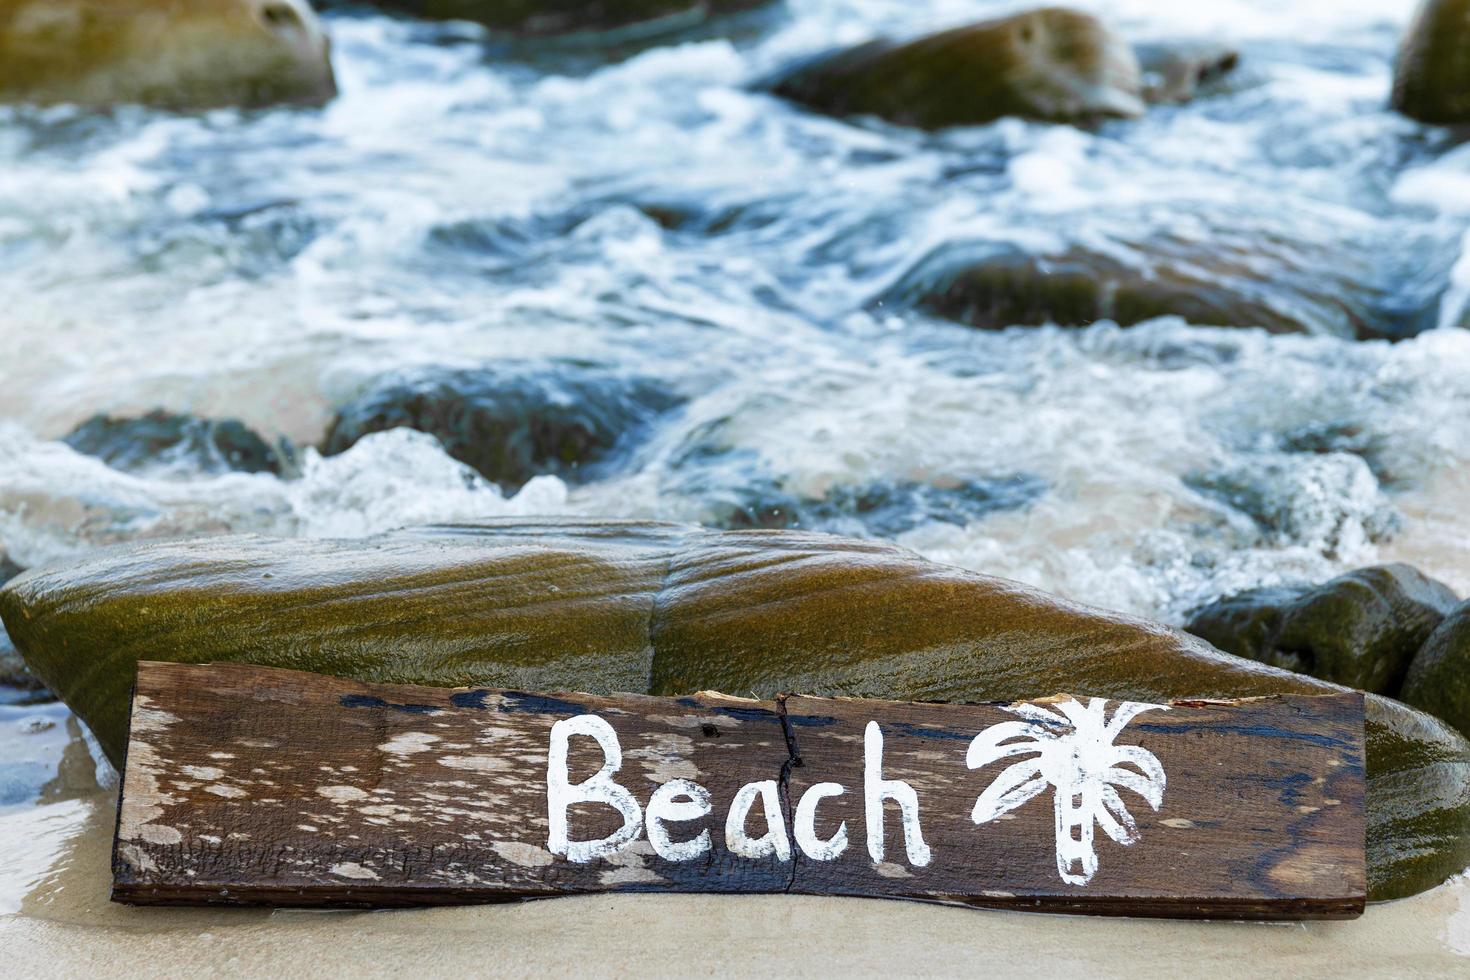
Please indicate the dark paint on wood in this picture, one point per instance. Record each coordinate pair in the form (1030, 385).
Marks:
(258, 786)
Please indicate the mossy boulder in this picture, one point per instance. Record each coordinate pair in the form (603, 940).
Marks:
(1052, 64)
(669, 609)
(544, 18)
(166, 441)
(1431, 79)
(1281, 287)
(1360, 630)
(181, 54)
(1439, 678)
(513, 420)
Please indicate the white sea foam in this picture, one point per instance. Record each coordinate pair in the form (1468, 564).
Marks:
(655, 214)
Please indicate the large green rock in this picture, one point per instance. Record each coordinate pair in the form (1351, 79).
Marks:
(669, 609)
(184, 54)
(1051, 64)
(1431, 80)
(541, 18)
(1360, 630)
(1439, 677)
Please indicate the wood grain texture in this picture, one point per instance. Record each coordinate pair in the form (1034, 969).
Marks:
(260, 786)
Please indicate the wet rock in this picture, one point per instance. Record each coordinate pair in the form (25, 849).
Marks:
(1182, 72)
(1439, 677)
(883, 510)
(1051, 64)
(13, 671)
(184, 54)
(1431, 80)
(625, 606)
(1360, 630)
(513, 420)
(163, 442)
(1337, 436)
(1275, 287)
(543, 18)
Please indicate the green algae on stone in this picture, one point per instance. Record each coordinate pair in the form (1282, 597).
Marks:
(1360, 630)
(1431, 80)
(668, 609)
(1439, 677)
(1052, 64)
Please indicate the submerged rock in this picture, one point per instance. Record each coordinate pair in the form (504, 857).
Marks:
(13, 671)
(1360, 630)
(184, 54)
(542, 18)
(993, 286)
(1431, 79)
(513, 420)
(883, 510)
(162, 441)
(1330, 502)
(1051, 64)
(1439, 677)
(669, 609)
(1181, 72)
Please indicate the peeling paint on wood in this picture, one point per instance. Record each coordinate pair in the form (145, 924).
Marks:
(259, 786)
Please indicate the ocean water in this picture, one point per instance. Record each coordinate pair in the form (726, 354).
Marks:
(647, 209)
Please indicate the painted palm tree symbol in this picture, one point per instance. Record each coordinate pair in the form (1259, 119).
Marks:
(1072, 751)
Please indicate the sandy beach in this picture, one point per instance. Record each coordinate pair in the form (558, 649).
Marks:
(54, 879)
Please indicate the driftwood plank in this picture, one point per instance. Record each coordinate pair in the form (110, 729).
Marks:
(250, 786)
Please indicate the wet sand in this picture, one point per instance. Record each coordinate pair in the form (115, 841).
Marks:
(54, 878)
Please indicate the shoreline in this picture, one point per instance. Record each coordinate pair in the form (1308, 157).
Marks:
(67, 927)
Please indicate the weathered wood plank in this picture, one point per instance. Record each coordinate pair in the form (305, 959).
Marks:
(250, 786)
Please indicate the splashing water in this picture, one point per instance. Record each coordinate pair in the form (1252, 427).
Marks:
(460, 204)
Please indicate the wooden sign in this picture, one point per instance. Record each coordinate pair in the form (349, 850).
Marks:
(254, 786)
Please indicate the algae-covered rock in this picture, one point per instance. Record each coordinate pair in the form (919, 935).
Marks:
(186, 54)
(512, 420)
(542, 18)
(168, 441)
(667, 609)
(1359, 630)
(1431, 79)
(1439, 678)
(1279, 286)
(1051, 64)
